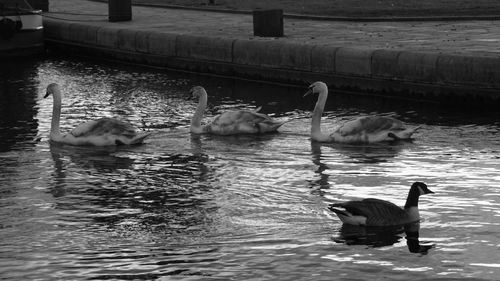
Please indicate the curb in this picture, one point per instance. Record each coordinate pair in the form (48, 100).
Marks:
(289, 62)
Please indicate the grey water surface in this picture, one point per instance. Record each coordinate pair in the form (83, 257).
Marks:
(236, 207)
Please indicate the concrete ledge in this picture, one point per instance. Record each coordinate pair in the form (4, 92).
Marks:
(323, 59)
(80, 32)
(108, 37)
(273, 53)
(467, 69)
(354, 61)
(281, 60)
(454, 69)
(418, 67)
(468, 95)
(257, 53)
(296, 56)
(56, 29)
(162, 44)
(385, 64)
(142, 41)
(126, 39)
(487, 71)
(205, 48)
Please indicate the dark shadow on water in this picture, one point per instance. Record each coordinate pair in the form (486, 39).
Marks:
(382, 236)
(18, 98)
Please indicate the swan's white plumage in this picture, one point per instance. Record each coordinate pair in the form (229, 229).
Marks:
(230, 122)
(100, 132)
(366, 129)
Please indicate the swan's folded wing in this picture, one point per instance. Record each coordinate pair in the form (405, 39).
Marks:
(370, 124)
(376, 211)
(104, 126)
(230, 118)
(84, 128)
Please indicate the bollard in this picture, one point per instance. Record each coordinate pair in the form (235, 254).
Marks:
(119, 10)
(268, 23)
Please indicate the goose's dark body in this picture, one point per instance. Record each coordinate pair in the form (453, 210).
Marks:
(376, 212)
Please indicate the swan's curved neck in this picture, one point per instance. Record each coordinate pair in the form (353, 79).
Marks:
(318, 112)
(198, 115)
(56, 114)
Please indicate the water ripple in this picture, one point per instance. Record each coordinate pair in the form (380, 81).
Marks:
(237, 207)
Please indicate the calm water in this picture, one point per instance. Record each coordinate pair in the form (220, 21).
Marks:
(240, 208)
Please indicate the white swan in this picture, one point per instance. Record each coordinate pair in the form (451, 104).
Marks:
(100, 132)
(376, 212)
(367, 129)
(230, 122)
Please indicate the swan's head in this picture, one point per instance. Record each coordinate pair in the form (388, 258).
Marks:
(316, 88)
(51, 89)
(421, 188)
(197, 92)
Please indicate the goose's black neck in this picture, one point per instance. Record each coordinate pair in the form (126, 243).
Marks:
(412, 200)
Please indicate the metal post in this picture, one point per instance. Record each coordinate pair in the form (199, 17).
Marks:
(268, 23)
(120, 10)
(39, 5)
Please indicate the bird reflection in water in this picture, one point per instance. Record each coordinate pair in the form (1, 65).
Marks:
(364, 153)
(100, 159)
(322, 182)
(161, 193)
(412, 239)
(383, 236)
(367, 153)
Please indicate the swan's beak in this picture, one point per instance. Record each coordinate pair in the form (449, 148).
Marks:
(47, 94)
(309, 92)
(190, 95)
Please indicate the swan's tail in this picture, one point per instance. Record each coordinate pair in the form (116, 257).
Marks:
(139, 138)
(404, 134)
(270, 126)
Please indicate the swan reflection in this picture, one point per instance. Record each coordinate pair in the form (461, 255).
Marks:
(91, 159)
(101, 159)
(322, 182)
(163, 194)
(368, 153)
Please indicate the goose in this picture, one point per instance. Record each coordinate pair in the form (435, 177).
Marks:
(101, 132)
(376, 212)
(230, 122)
(367, 129)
